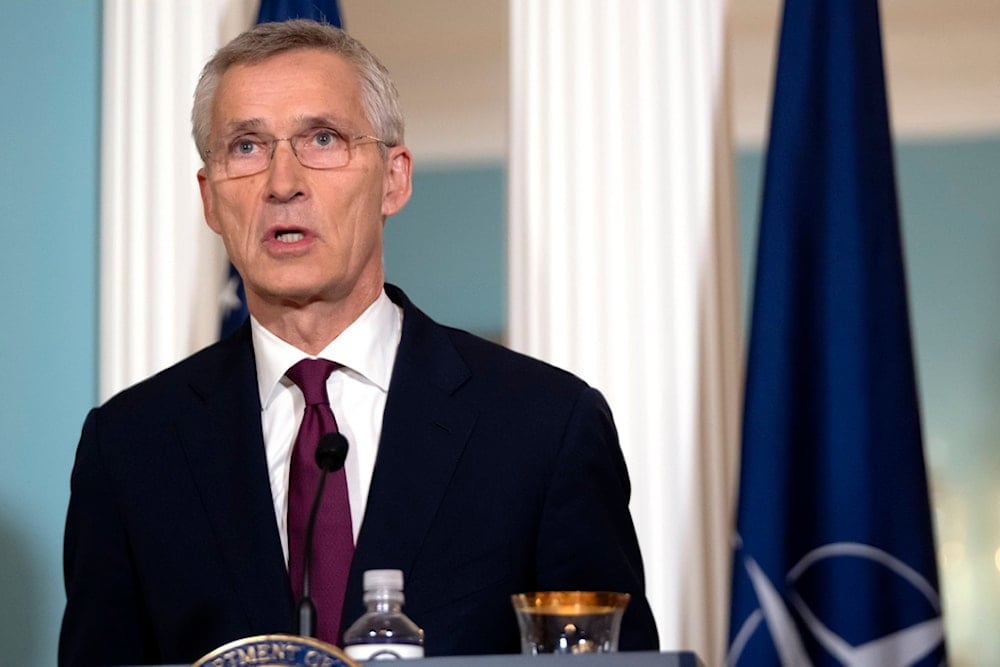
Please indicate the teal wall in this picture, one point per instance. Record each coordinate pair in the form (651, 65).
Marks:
(950, 195)
(448, 247)
(49, 179)
(448, 250)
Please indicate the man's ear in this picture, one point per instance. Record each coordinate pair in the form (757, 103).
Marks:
(398, 180)
(207, 203)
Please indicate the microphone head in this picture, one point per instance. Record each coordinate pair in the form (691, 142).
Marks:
(331, 452)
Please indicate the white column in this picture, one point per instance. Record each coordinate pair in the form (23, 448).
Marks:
(161, 267)
(623, 265)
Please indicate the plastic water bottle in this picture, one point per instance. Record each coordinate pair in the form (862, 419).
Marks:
(384, 632)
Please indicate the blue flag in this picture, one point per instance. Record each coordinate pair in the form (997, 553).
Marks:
(324, 11)
(834, 554)
(234, 299)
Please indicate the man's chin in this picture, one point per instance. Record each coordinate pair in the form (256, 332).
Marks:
(295, 296)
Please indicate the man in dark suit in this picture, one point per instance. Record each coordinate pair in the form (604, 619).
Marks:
(477, 471)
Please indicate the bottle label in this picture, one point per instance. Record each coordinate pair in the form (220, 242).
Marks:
(384, 651)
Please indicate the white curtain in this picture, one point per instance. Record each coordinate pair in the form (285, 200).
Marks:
(162, 269)
(623, 265)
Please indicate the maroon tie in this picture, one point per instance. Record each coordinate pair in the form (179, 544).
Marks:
(333, 537)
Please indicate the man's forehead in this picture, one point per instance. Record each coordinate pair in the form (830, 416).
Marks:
(301, 86)
(299, 72)
(308, 57)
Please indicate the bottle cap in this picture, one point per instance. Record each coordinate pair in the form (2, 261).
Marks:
(386, 579)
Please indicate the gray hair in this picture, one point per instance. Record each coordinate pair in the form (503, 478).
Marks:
(378, 93)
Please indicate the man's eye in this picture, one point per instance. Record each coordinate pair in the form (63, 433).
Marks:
(245, 146)
(324, 138)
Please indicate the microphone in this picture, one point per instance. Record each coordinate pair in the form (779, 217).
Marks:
(331, 452)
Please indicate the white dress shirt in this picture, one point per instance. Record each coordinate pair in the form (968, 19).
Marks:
(366, 350)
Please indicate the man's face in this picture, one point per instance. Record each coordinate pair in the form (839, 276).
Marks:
(299, 235)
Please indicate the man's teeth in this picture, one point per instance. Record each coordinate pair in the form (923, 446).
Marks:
(289, 237)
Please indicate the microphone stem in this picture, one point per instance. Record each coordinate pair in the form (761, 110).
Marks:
(307, 610)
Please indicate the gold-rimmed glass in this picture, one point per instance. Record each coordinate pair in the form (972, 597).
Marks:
(569, 621)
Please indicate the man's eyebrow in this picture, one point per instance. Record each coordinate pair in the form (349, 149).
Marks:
(320, 120)
(301, 122)
(237, 126)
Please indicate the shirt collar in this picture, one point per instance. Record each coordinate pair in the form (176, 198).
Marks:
(366, 349)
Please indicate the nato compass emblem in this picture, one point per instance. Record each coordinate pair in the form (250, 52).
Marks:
(806, 621)
(276, 651)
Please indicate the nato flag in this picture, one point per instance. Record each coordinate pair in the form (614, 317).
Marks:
(834, 554)
(234, 301)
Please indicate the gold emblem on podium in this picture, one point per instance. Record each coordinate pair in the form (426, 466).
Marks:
(276, 651)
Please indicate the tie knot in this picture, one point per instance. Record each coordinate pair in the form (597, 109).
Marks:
(310, 375)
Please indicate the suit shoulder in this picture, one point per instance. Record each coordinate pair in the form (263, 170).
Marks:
(428, 345)
(197, 370)
(501, 363)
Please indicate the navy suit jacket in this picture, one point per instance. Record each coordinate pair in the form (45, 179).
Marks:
(495, 474)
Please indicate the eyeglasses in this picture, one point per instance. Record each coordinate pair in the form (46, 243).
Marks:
(319, 148)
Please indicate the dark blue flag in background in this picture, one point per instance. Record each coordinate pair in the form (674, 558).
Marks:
(834, 561)
(325, 11)
(234, 300)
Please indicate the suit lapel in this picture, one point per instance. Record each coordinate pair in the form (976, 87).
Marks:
(222, 439)
(424, 431)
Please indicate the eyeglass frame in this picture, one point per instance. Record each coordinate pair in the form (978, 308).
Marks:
(272, 143)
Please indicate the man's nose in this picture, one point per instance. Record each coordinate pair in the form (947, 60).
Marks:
(284, 171)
